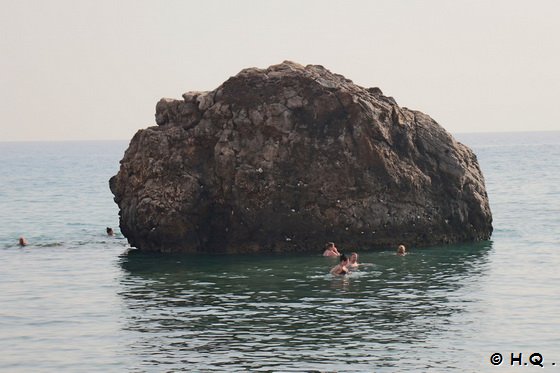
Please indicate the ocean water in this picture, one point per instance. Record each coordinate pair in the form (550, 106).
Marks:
(75, 300)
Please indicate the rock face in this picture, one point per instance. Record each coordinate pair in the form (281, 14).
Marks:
(287, 158)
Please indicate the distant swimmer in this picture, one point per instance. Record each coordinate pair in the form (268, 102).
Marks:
(23, 241)
(353, 262)
(340, 269)
(110, 231)
(331, 250)
(401, 250)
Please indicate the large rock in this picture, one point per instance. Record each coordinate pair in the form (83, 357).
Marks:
(287, 158)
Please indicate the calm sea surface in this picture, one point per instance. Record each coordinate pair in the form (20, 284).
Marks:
(75, 300)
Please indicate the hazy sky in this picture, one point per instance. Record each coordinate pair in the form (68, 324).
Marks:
(74, 69)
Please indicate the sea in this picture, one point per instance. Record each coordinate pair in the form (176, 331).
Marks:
(77, 300)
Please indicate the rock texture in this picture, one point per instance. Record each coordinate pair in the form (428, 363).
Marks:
(289, 157)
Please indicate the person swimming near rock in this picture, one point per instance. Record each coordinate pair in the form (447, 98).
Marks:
(110, 231)
(401, 250)
(23, 241)
(353, 261)
(340, 269)
(331, 250)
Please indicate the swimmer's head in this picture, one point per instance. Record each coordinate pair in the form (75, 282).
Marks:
(401, 250)
(22, 241)
(110, 231)
(343, 258)
(353, 257)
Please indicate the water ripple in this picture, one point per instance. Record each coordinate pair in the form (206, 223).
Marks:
(244, 312)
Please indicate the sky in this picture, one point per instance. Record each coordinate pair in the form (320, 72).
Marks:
(95, 69)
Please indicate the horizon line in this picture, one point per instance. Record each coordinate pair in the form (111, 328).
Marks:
(124, 139)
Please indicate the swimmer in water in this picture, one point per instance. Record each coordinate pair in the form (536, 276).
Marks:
(401, 250)
(340, 269)
(353, 261)
(23, 241)
(331, 250)
(110, 231)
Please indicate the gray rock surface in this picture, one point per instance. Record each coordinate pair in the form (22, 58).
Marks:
(286, 158)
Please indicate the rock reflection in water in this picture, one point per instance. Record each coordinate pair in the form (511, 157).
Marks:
(277, 313)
